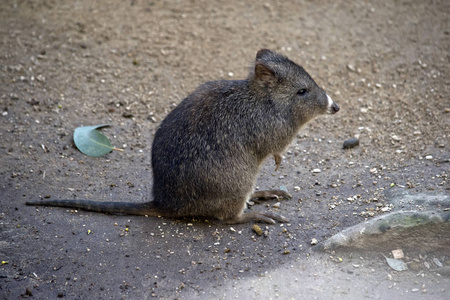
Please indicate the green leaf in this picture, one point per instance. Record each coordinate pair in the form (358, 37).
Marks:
(92, 142)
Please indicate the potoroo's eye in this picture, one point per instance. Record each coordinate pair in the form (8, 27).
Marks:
(302, 91)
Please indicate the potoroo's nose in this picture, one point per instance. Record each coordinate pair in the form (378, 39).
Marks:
(332, 106)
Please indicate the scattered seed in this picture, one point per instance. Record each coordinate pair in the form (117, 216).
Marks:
(257, 229)
(351, 68)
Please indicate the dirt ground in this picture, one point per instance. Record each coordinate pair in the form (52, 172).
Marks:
(65, 64)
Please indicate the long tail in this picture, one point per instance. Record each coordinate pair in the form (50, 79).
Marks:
(121, 208)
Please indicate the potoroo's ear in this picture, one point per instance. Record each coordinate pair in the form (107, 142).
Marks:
(263, 52)
(264, 74)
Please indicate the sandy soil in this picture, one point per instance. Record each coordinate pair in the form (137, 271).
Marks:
(65, 64)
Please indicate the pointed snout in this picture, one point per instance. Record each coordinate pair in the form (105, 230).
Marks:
(332, 106)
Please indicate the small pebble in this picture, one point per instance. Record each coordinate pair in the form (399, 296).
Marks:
(314, 241)
(351, 143)
(316, 171)
(398, 253)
